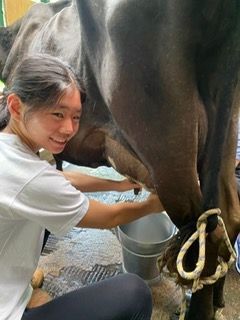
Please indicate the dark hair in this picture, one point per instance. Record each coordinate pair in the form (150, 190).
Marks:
(39, 81)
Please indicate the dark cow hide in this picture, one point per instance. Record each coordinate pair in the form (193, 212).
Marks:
(161, 80)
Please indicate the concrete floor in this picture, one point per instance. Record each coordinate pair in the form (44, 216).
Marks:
(167, 297)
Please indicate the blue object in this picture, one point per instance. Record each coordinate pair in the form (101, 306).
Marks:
(237, 248)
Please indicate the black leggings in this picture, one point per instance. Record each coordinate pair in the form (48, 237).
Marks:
(123, 297)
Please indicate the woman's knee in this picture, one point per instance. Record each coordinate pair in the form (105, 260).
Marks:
(137, 289)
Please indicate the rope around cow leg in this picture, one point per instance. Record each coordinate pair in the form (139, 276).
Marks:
(194, 275)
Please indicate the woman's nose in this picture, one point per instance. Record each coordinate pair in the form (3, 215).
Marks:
(68, 126)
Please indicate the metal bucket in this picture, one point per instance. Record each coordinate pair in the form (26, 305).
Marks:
(142, 242)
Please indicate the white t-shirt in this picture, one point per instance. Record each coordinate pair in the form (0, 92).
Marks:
(33, 196)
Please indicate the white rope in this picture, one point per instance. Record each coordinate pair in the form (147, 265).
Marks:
(195, 275)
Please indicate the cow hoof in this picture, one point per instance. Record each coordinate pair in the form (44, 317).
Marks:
(37, 278)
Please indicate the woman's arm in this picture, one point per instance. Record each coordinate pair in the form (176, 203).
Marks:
(100, 215)
(87, 183)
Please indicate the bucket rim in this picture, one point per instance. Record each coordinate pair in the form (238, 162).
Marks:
(174, 231)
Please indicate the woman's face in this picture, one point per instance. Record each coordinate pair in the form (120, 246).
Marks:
(53, 127)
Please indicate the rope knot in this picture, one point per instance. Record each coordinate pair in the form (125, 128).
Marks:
(204, 217)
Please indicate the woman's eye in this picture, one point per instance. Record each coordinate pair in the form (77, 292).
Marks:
(58, 114)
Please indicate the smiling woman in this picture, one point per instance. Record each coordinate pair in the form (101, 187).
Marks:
(50, 127)
(49, 96)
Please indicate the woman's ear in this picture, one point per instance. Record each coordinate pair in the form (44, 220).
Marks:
(15, 106)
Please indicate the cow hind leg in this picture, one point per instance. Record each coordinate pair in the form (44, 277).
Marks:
(218, 298)
(205, 302)
(201, 305)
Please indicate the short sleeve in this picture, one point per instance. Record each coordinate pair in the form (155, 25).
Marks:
(50, 200)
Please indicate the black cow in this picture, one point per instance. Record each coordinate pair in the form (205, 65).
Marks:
(161, 80)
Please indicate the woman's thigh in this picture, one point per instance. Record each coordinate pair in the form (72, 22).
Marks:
(124, 297)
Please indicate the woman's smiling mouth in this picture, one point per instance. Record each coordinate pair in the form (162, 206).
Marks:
(59, 141)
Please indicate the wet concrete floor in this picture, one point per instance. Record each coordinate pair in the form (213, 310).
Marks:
(167, 297)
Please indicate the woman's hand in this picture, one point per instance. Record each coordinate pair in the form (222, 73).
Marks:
(154, 204)
(125, 185)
